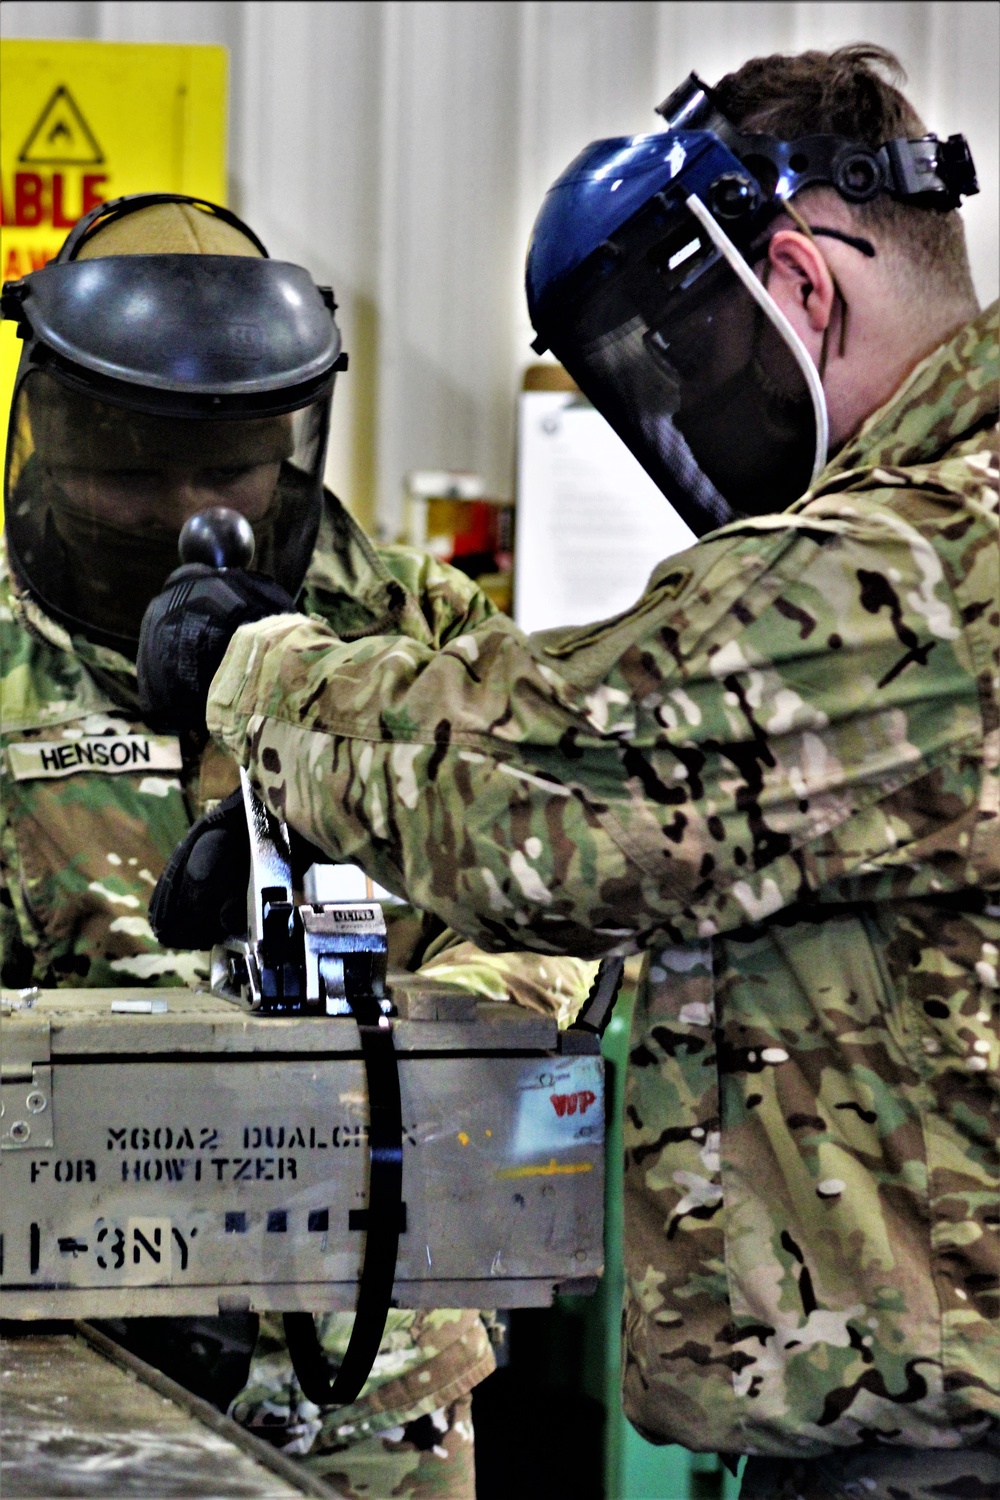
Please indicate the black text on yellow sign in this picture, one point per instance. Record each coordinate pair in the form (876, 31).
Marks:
(51, 186)
(82, 123)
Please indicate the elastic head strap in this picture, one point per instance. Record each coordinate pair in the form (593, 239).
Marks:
(130, 203)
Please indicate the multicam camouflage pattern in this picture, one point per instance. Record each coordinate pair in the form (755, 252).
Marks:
(411, 1432)
(777, 773)
(79, 856)
(431, 1458)
(879, 1474)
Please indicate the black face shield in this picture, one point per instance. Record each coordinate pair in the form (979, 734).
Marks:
(152, 385)
(199, 336)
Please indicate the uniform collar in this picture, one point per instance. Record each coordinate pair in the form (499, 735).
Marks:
(948, 396)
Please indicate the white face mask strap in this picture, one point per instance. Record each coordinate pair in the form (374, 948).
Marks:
(763, 298)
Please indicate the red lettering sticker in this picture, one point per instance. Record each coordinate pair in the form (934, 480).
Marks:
(91, 197)
(59, 218)
(44, 198)
(569, 1104)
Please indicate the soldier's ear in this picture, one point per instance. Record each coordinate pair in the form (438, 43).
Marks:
(800, 281)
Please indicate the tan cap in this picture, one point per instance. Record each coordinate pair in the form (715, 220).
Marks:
(167, 229)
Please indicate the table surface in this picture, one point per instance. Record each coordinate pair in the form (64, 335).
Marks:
(76, 1424)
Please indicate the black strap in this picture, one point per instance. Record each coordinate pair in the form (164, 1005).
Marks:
(855, 241)
(600, 1003)
(130, 203)
(384, 1222)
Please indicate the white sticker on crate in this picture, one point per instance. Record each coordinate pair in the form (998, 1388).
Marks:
(562, 1106)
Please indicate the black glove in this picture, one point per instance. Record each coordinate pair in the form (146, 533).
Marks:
(201, 897)
(185, 632)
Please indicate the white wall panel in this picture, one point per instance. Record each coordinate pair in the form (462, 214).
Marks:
(305, 172)
(401, 149)
(447, 253)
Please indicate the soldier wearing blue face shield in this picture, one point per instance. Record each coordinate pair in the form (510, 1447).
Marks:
(775, 775)
(648, 276)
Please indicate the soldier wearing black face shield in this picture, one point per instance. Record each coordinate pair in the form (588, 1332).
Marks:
(171, 367)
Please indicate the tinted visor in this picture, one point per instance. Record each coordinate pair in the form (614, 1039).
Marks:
(695, 367)
(96, 496)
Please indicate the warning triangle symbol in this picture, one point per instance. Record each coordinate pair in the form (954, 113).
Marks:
(61, 136)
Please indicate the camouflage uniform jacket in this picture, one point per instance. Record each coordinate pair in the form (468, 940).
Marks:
(778, 774)
(94, 804)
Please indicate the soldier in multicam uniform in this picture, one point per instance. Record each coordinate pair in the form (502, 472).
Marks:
(94, 803)
(777, 773)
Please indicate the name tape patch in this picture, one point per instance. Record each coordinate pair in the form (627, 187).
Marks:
(110, 754)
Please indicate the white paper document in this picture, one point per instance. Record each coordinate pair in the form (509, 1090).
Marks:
(591, 524)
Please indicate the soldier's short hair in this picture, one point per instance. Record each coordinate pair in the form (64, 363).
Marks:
(852, 92)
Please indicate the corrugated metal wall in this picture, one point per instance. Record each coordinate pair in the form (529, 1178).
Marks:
(401, 149)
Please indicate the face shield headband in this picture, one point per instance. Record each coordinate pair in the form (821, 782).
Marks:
(639, 280)
(925, 172)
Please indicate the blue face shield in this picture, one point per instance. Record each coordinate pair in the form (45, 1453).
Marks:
(637, 285)
(640, 279)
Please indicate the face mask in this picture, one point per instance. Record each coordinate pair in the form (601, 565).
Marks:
(740, 410)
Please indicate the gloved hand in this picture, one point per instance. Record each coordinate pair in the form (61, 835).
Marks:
(201, 897)
(185, 632)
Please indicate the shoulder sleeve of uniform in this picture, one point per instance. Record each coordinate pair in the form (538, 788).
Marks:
(42, 680)
(450, 601)
(725, 748)
(349, 587)
(360, 589)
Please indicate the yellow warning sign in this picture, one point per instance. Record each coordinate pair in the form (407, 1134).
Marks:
(61, 136)
(84, 122)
